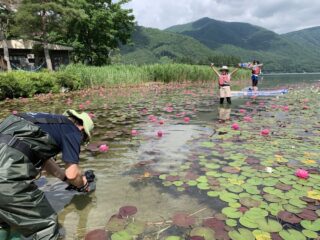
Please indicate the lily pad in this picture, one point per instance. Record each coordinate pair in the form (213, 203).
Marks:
(289, 217)
(261, 235)
(183, 220)
(241, 234)
(122, 235)
(127, 211)
(249, 202)
(115, 224)
(308, 215)
(311, 225)
(207, 233)
(98, 234)
(136, 227)
(231, 223)
(269, 225)
(310, 234)
(231, 212)
(291, 234)
(173, 238)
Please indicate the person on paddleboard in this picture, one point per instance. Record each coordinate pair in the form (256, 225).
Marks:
(28, 144)
(224, 81)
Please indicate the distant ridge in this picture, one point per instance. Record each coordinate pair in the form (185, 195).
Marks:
(298, 51)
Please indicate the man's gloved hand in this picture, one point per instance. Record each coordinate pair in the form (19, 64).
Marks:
(90, 186)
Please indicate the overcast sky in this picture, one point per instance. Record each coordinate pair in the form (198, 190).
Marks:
(280, 16)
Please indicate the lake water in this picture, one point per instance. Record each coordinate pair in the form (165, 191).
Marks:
(135, 170)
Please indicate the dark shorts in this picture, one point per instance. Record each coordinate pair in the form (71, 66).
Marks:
(254, 79)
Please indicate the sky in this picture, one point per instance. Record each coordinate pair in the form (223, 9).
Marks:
(280, 16)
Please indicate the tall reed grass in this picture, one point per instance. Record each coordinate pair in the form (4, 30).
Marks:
(132, 74)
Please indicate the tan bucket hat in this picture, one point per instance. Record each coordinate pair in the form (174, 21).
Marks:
(84, 117)
(224, 68)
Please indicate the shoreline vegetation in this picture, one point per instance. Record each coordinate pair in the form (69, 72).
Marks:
(76, 77)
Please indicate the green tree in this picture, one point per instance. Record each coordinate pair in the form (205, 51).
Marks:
(105, 26)
(6, 18)
(44, 21)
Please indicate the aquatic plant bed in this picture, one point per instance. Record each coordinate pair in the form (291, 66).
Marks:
(255, 175)
(259, 173)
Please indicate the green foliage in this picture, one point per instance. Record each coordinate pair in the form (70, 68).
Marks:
(26, 84)
(103, 26)
(155, 46)
(41, 20)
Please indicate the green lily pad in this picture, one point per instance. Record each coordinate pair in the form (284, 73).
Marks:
(213, 193)
(192, 183)
(231, 222)
(136, 227)
(272, 198)
(202, 179)
(228, 197)
(231, 212)
(274, 208)
(292, 209)
(235, 189)
(269, 225)
(241, 234)
(248, 222)
(173, 238)
(207, 233)
(309, 234)
(297, 203)
(311, 225)
(291, 234)
(178, 183)
(203, 186)
(122, 235)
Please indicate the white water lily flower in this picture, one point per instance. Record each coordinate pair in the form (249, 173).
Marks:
(269, 169)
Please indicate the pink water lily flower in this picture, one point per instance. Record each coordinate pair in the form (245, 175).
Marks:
(103, 148)
(301, 173)
(186, 119)
(160, 133)
(235, 126)
(247, 119)
(14, 112)
(265, 132)
(161, 122)
(134, 132)
(81, 106)
(285, 108)
(242, 110)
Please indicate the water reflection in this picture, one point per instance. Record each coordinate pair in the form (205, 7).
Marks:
(224, 113)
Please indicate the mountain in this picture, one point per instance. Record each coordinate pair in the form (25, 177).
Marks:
(309, 37)
(152, 45)
(292, 52)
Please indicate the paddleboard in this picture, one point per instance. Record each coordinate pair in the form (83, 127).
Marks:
(259, 93)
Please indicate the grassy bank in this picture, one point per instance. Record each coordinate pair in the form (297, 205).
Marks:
(73, 77)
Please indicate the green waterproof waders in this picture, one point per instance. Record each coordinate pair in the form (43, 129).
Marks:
(23, 149)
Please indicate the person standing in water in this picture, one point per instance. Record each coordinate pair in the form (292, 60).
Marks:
(224, 78)
(256, 71)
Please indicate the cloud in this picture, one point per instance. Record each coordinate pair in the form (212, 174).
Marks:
(277, 15)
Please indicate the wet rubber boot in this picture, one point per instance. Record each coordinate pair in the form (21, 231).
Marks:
(229, 100)
(221, 100)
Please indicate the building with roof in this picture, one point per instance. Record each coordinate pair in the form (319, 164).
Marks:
(29, 55)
